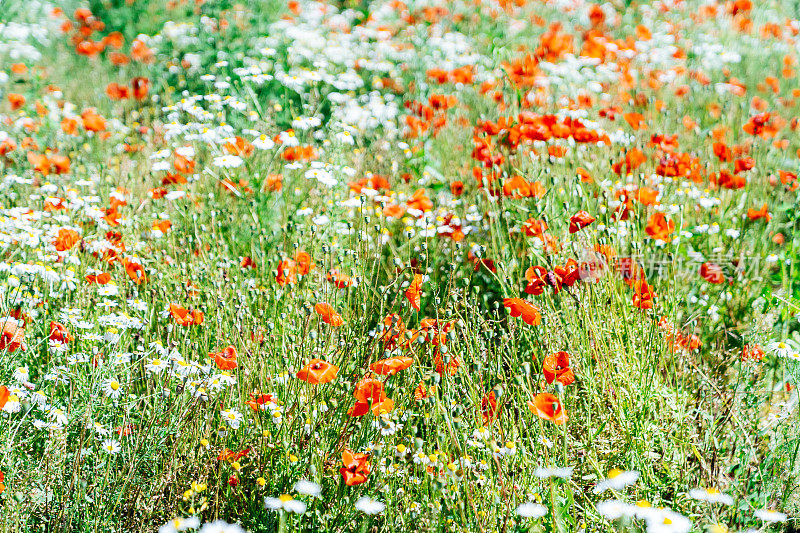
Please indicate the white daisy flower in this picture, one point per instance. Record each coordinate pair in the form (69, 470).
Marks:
(531, 510)
(112, 388)
(770, 515)
(286, 503)
(111, 447)
(617, 480)
(232, 417)
(712, 495)
(367, 505)
(308, 488)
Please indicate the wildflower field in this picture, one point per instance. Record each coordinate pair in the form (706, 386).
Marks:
(381, 265)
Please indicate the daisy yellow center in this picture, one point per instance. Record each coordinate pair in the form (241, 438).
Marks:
(285, 498)
(614, 472)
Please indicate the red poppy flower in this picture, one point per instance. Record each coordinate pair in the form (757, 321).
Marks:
(318, 371)
(755, 214)
(556, 368)
(226, 359)
(489, 408)
(580, 220)
(5, 394)
(59, 333)
(659, 227)
(520, 308)
(712, 273)
(413, 292)
(548, 407)
(12, 335)
(184, 317)
(258, 400)
(356, 468)
(392, 365)
(328, 314)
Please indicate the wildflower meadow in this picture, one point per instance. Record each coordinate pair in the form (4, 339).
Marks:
(370, 266)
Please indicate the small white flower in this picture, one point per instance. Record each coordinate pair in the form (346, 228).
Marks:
(617, 480)
(286, 503)
(263, 143)
(180, 524)
(711, 495)
(531, 510)
(770, 515)
(111, 447)
(112, 388)
(156, 366)
(228, 161)
(614, 509)
(551, 471)
(221, 526)
(308, 488)
(367, 505)
(232, 417)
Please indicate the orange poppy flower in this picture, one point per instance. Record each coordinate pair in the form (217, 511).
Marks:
(115, 91)
(12, 335)
(556, 368)
(303, 262)
(59, 333)
(580, 220)
(328, 314)
(225, 359)
(752, 352)
(287, 272)
(413, 292)
(258, 400)
(712, 273)
(644, 294)
(391, 365)
(659, 227)
(274, 182)
(66, 239)
(369, 390)
(635, 120)
(16, 100)
(548, 407)
(339, 279)
(755, 214)
(356, 468)
(489, 408)
(318, 371)
(101, 279)
(520, 308)
(419, 201)
(135, 271)
(5, 394)
(92, 121)
(185, 317)
(534, 227)
(140, 87)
